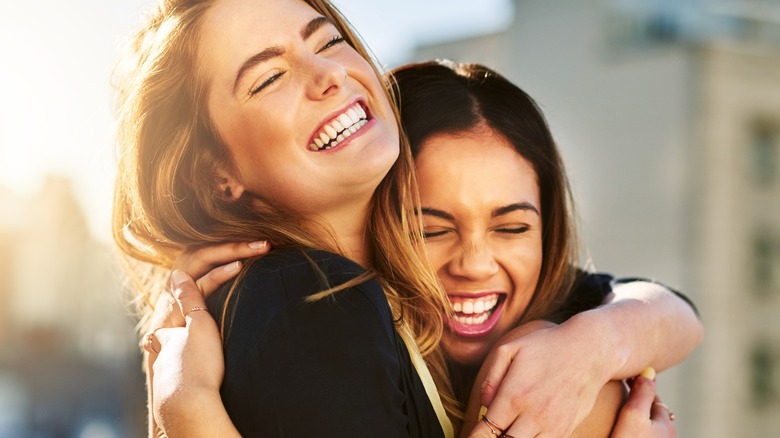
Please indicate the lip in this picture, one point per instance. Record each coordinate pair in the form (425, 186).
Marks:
(477, 330)
(333, 115)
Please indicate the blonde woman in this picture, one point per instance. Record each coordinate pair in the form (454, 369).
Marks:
(224, 112)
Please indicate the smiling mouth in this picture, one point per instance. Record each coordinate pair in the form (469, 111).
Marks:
(474, 311)
(340, 128)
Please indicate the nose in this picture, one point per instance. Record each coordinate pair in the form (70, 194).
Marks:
(326, 77)
(473, 260)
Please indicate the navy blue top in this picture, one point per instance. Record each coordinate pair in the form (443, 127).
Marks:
(332, 368)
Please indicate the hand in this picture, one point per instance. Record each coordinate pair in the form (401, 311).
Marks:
(642, 416)
(212, 266)
(539, 380)
(189, 368)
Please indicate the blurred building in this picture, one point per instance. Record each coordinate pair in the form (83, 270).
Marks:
(69, 363)
(668, 115)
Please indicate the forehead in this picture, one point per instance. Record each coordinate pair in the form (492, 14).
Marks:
(233, 30)
(473, 168)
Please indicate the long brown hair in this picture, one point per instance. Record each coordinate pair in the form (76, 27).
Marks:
(442, 97)
(165, 195)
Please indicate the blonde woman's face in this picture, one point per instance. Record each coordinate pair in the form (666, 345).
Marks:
(303, 115)
(482, 219)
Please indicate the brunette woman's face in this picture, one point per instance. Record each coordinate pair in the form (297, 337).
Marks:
(482, 218)
(303, 115)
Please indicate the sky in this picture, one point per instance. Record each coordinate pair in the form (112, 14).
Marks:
(55, 67)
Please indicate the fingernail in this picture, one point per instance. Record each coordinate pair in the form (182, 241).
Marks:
(179, 278)
(648, 373)
(233, 267)
(482, 412)
(260, 244)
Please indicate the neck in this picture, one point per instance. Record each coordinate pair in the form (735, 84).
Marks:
(347, 226)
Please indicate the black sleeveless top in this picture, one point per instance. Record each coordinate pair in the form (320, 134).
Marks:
(332, 368)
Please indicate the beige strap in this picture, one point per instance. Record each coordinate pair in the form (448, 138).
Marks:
(427, 380)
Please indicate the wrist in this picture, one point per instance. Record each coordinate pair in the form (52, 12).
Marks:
(603, 341)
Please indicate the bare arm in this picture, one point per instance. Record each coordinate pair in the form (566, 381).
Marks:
(641, 324)
(597, 424)
(650, 326)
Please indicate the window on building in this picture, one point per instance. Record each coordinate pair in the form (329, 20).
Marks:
(763, 366)
(765, 256)
(764, 155)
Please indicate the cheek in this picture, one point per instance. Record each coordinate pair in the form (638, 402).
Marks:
(438, 255)
(523, 266)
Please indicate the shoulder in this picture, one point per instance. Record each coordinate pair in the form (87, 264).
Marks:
(275, 290)
(587, 292)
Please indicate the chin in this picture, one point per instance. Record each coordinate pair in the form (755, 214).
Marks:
(466, 355)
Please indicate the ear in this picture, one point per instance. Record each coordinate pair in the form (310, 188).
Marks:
(228, 187)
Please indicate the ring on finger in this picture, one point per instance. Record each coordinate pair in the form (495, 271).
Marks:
(666, 408)
(149, 341)
(195, 309)
(495, 429)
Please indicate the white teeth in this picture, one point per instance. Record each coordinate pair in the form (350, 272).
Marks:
(331, 131)
(340, 128)
(345, 120)
(473, 310)
(472, 320)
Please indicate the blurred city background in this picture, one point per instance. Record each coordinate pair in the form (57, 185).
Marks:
(667, 112)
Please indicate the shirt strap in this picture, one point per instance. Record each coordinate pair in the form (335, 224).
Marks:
(427, 380)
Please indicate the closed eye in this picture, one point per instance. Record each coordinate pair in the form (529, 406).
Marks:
(513, 230)
(336, 40)
(265, 83)
(435, 232)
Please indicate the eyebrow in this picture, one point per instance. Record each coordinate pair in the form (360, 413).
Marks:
(276, 51)
(500, 211)
(438, 213)
(525, 206)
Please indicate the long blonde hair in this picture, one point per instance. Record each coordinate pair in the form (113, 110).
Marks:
(165, 195)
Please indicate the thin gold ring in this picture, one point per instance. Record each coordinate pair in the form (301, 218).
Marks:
(495, 429)
(195, 309)
(149, 344)
(669, 411)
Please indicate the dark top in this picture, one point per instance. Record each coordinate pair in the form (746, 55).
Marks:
(590, 289)
(332, 368)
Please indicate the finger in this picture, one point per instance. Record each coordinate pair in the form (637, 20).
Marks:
(217, 277)
(641, 397)
(508, 410)
(486, 429)
(662, 416)
(199, 261)
(187, 295)
(152, 346)
(166, 312)
(497, 365)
